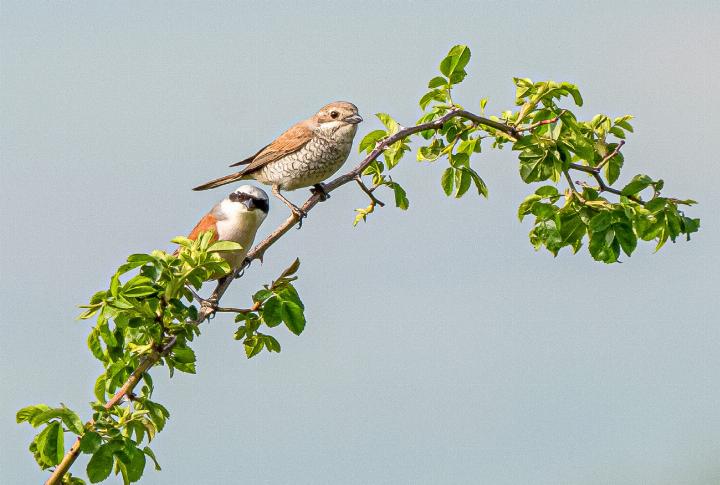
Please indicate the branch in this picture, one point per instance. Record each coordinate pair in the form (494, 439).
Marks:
(610, 155)
(541, 123)
(125, 390)
(601, 183)
(369, 192)
(259, 250)
(209, 307)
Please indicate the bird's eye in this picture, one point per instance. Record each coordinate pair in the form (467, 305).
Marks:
(334, 114)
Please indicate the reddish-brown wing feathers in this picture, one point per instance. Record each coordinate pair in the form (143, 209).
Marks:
(206, 223)
(289, 142)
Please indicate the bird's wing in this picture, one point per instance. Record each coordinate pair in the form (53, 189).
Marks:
(289, 142)
(209, 222)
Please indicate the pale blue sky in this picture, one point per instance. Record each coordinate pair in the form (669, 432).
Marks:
(440, 347)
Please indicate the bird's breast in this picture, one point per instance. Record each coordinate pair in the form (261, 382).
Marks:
(241, 228)
(318, 160)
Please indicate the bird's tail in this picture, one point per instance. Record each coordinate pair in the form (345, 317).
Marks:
(221, 181)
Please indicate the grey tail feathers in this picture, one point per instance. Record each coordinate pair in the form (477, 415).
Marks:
(221, 181)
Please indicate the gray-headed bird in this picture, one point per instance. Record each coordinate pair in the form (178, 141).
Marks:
(236, 218)
(305, 155)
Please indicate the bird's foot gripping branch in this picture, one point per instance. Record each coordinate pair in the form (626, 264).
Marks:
(150, 319)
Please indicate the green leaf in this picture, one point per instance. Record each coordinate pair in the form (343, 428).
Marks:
(574, 92)
(180, 240)
(622, 123)
(69, 418)
(637, 184)
(479, 183)
(100, 464)
(434, 95)
(135, 462)
(387, 120)
(262, 295)
(370, 140)
(600, 222)
(93, 342)
(447, 180)
(72, 421)
(455, 61)
(547, 191)
(158, 413)
(401, 199)
(50, 443)
(184, 355)
(533, 167)
(150, 453)
(271, 343)
(626, 237)
(271, 312)
(462, 181)
(29, 412)
(253, 346)
(292, 315)
(90, 442)
(437, 81)
(144, 258)
(290, 270)
(526, 205)
(612, 169)
(572, 229)
(222, 246)
(100, 388)
(138, 291)
(617, 132)
(71, 480)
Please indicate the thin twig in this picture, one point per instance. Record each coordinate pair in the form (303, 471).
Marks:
(607, 157)
(541, 123)
(572, 185)
(369, 192)
(197, 297)
(602, 186)
(233, 310)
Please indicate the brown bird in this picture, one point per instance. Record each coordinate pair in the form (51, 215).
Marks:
(306, 154)
(235, 218)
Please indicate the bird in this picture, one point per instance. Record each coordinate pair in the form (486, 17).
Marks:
(306, 154)
(236, 218)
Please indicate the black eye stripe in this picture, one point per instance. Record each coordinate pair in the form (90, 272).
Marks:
(239, 196)
(262, 204)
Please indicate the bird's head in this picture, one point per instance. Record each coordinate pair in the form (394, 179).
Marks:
(247, 198)
(337, 115)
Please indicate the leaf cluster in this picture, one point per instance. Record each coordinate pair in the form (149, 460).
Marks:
(552, 144)
(275, 304)
(146, 317)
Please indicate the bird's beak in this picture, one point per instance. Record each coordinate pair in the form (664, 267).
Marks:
(249, 203)
(354, 119)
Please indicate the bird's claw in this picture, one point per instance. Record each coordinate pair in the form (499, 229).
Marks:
(319, 189)
(300, 214)
(207, 309)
